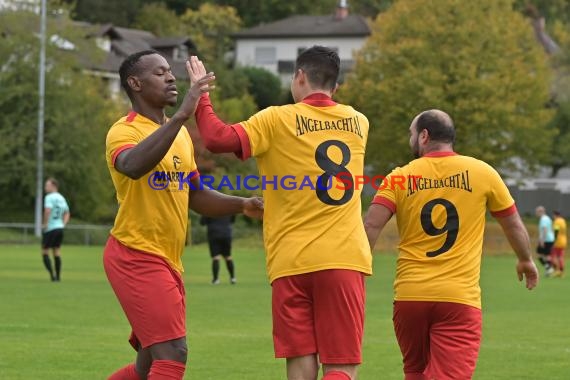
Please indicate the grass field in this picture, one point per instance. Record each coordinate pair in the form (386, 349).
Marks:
(76, 329)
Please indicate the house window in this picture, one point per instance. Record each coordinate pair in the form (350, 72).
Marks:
(180, 53)
(265, 55)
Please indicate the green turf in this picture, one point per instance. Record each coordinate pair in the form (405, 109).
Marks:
(76, 330)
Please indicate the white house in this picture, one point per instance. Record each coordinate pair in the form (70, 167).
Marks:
(275, 46)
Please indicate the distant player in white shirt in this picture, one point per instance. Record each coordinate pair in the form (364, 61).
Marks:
(56, 216)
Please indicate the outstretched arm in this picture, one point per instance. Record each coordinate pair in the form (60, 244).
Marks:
(218, 137)
(519, 240)
(211, 203)
(374, 221)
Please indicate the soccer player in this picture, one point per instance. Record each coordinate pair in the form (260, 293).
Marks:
(440, 200)
(56, 216)
(317, 255)
(220, 244)
(151, 161)
(560, 241)
(545, 240)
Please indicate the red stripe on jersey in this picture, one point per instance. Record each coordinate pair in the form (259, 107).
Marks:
(119, 151)
(440, 154)
(319, 100)
(131, 116)
(380, 200)
(506, 212)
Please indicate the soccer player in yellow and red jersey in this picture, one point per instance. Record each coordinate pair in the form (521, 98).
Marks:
(560, 242)
(440, 213)
(151, 161)
(317, 254)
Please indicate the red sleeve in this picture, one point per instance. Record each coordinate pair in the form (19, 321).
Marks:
(380, 200)
(218, 136)
(504, 213)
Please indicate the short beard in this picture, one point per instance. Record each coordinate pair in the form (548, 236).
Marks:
(416, 149)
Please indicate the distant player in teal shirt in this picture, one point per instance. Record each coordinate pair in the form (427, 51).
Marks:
(545, 240)
(56, 216)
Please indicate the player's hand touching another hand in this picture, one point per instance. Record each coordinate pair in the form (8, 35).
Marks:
(527, 269)
(198, 86)
(253, 207)
(197, 71)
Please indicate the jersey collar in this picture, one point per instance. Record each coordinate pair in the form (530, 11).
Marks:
(319, 100)
(440, 154)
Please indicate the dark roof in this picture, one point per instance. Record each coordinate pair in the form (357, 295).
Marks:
(162, 42)
(125, 41)
(309, 26)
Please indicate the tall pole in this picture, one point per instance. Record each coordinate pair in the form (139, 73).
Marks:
(40, 140)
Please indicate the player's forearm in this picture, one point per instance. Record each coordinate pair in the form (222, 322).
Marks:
(374, 222)
(66, 217)
(517, 235)
(47, 213)
(372, 233)
(140, 159)
(542, 235)
(218, 137)
(211, 203)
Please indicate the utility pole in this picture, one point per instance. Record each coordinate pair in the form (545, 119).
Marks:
(40, 139)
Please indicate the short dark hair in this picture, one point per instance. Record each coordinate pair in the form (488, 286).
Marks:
(321, 65)
(53, 182)
(557, 213)
(439, 126)
(130, 67)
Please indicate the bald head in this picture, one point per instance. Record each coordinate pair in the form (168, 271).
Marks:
(540, 210)
(438, 124)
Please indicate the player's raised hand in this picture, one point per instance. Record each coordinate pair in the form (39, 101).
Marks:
(253, 207)
(197, 71)
(198, 86)
(527, 269)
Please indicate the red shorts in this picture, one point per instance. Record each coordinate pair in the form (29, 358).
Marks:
(149, 290)
(319, 313)
(559, 252)
(438, 340)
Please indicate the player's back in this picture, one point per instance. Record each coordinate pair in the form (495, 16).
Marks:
(310, 225)
(441, 218)
(58, 206)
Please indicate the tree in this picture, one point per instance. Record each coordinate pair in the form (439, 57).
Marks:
(159, 20)
(551, 10)
(120, 13)
(264, 86)
(76, 117)
(478, 61)
(555, 40)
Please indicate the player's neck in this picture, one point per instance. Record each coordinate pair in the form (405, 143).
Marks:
(437, 148)
(155, 114)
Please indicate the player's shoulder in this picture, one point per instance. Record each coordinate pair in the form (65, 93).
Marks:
(354, 110)
(474, 163)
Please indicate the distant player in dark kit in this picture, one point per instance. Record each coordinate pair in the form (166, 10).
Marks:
(56, 216)
(220, 243)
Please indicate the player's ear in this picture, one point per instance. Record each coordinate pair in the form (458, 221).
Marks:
(301, 76)
(335, 88)
(134, 83)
